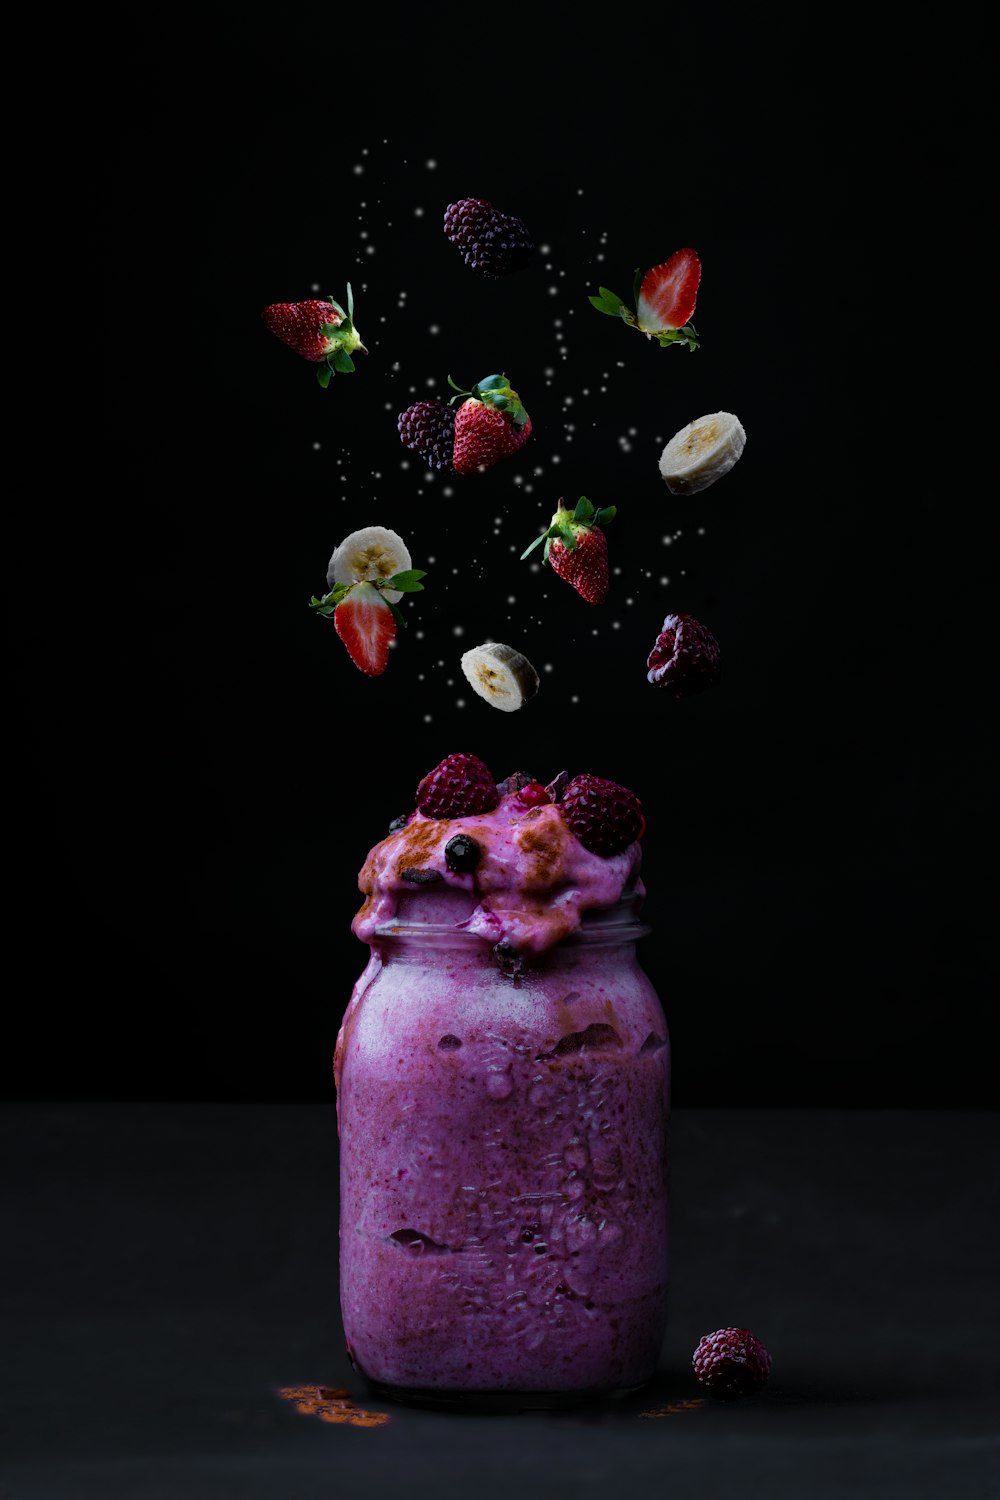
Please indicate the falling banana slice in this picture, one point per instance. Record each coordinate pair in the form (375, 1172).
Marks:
(702, 452)
(369, 554)
(501, 675)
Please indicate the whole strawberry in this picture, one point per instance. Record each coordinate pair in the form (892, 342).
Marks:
(492, 243)
(490, 424)
(577, 549)
(605, 817)
(731, 1363)
(321, 332)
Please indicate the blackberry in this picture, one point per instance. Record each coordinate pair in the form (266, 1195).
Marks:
(428, 428)
(492, 243)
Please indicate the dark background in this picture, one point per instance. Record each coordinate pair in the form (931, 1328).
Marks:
(199, 770)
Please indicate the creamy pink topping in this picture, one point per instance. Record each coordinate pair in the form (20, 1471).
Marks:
(531, 887)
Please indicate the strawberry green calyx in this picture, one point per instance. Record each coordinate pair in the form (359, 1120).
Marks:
(342, 339)
(569, 526)
(407, 582)
(495, 391)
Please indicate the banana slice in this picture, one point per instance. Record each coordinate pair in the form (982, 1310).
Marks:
(501, 675)
(374, 552)
(702, 452)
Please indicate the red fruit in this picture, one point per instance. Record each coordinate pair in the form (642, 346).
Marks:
(489, 426)
(669, 292)
(366, 626)
(428, 428)
(731, 1363)
(298, 325)
(685, 658)
(321, 332)
(533, 794)
(605, 817)
(577, 548)
(459, 786)
(586, 567)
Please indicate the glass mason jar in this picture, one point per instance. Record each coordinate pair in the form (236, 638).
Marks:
(503, 1127)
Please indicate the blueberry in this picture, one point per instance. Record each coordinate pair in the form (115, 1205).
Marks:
(462, 854)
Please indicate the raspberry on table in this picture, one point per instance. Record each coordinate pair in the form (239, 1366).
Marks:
(731, 1363)
(605, 817)
(685, 657)
(428, 429)
(460, 785)
(492, 243)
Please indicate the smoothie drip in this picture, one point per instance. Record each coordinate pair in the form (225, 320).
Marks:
(532, 884)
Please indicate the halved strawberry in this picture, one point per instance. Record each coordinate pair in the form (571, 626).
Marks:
(669, 292)
(366, 625)
(665, 299)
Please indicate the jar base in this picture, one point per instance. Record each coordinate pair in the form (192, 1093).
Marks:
(500, 1401)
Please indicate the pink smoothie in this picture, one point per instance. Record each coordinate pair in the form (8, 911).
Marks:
(502, 1074)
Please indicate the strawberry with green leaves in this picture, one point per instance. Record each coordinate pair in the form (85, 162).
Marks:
(321, 332)
(490, 424)
(664, 298)
(365, 588)
(577, 549)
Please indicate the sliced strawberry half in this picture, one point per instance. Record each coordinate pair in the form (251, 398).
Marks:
(367, 627)
(669, 292)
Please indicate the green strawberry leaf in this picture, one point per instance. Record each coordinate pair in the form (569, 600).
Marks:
(584, 510)
(493, 383)
(598, 302)
(537, 543)
(609, 298)
(350, 301)
(604, 516)
(324, 374)
(566, 536)
(548, 544)
(343, 362)
(331, 329)
(406, 582)
(637, 280)
(456, 387)
(336, 307)
(499, 402)
(396, 613)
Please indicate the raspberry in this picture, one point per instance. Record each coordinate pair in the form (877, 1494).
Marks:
(731, 1363)
(491, 243)
(428, 428)
(604, 816)
(460, 785)
(685, 657)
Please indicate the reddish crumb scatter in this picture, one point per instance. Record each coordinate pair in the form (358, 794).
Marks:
(331, 1404)
(673, 1408)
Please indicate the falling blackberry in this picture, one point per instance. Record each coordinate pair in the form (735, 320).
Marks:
(492, 243)
(428, 428)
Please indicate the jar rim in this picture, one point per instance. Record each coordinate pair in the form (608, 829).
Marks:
(599, 926)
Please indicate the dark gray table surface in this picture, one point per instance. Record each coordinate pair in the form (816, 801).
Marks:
(169, 1267)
